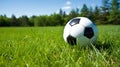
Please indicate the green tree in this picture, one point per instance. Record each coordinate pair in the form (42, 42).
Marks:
(39, 21)
(105, 12)
(73, 13)
(61, 12)
(31, 19)
(77, 11)
(106, 7)
(4, 21)
(64, 14)
(56, 19)
(24, 21)
(97, 16)
(84, 11)
(114, 17)
(91, 14)
(14, 21)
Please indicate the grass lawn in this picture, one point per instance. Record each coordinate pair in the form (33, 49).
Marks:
(45, 47)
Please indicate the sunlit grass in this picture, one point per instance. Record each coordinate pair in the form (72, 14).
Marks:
(45, 47)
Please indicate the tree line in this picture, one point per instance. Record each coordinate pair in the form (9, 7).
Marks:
(108, 13)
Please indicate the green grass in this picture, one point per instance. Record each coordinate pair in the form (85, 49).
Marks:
(45, 47)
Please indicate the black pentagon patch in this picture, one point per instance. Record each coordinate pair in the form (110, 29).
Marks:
(74, 22)
(88, 32)
(71, 40)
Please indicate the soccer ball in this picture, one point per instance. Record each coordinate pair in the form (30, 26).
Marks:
(80, 31)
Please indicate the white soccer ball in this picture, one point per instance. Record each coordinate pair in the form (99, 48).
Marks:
(80, 31)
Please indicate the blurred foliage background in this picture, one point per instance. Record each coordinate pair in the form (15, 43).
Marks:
(108, 13)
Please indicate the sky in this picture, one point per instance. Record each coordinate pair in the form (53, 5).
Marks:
(42, 7)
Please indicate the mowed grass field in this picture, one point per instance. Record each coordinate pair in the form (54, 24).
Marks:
(45, 47)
